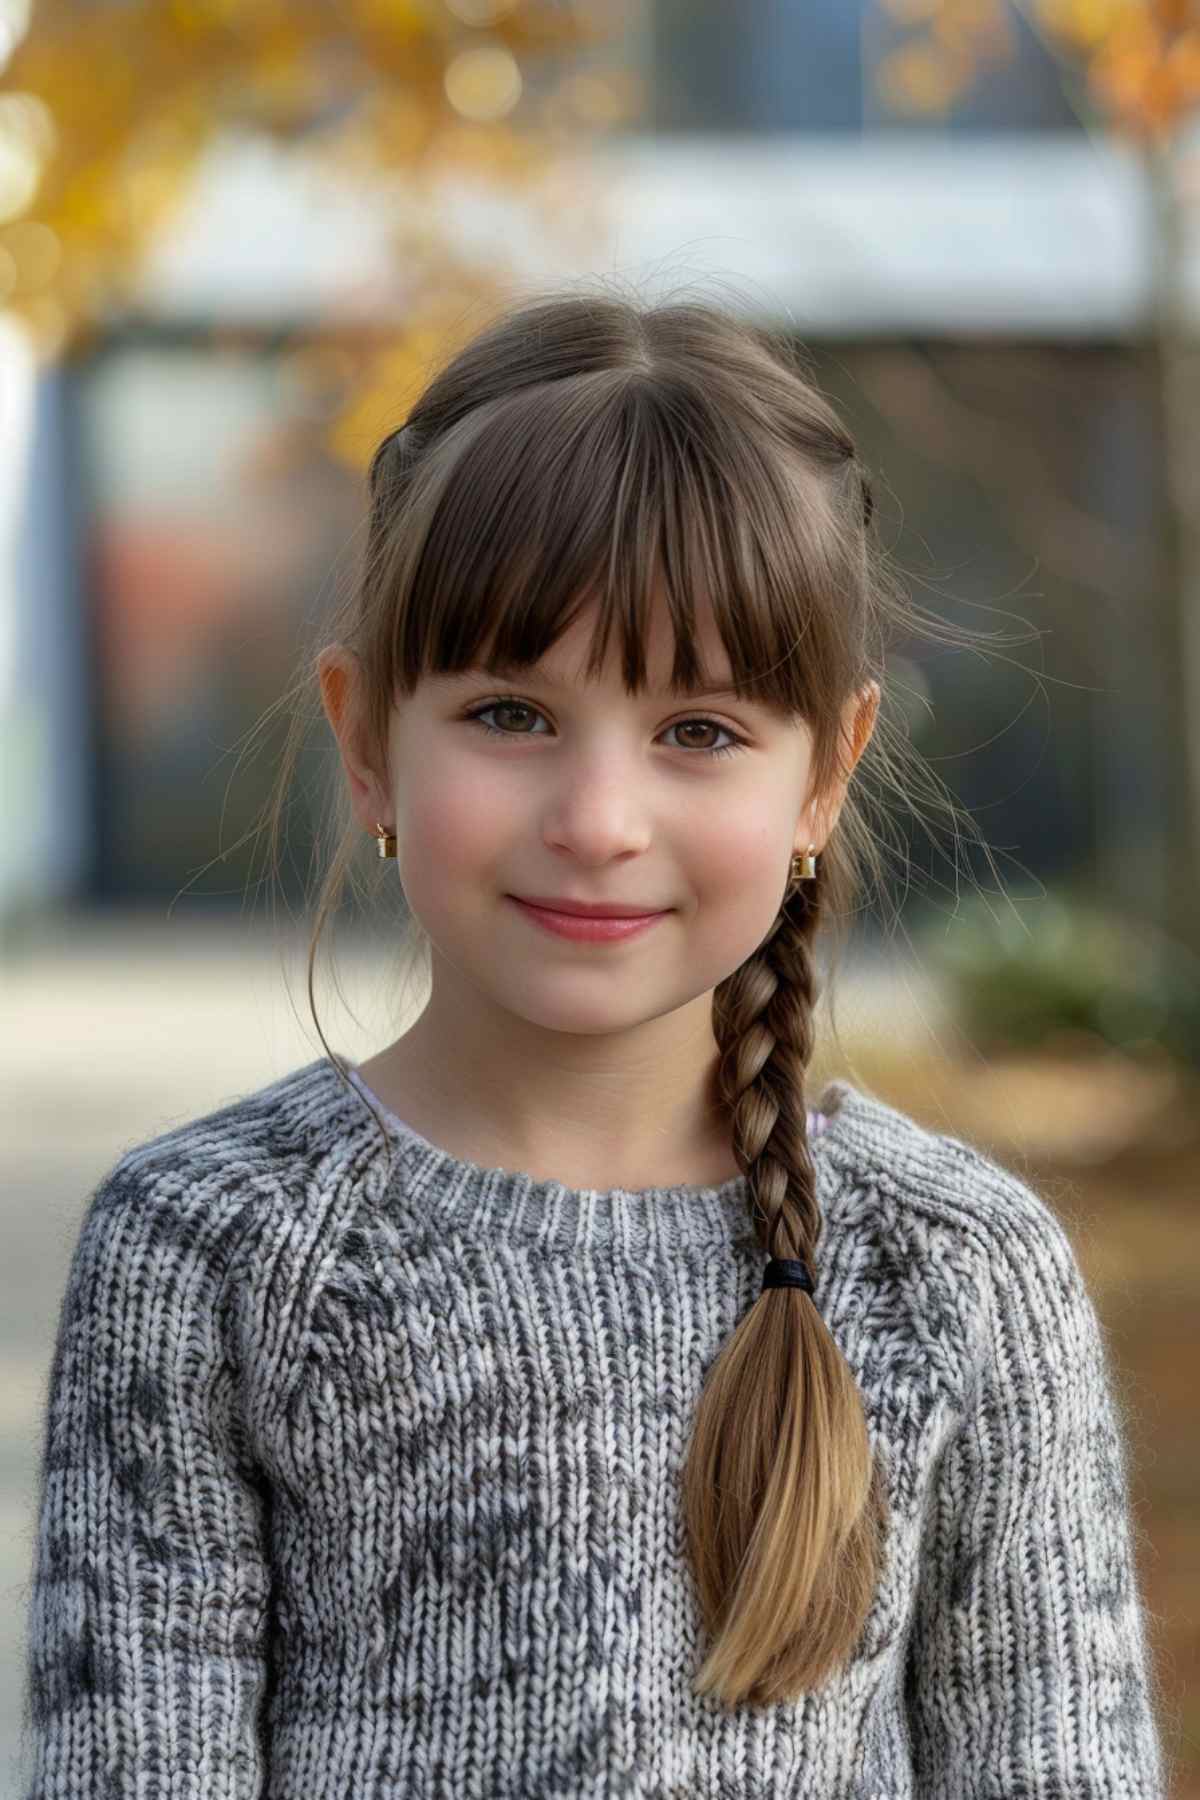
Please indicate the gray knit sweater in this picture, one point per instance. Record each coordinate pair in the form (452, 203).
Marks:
(360, 1480)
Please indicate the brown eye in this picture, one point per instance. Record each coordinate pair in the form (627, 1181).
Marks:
(505, 706)
(735, 743)
(703, 725)
(512, 706)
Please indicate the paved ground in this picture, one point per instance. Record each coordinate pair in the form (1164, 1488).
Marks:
(117, 1027)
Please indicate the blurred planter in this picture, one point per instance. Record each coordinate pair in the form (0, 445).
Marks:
(1066, 974)
(1074, 1101)
(1073, 1038)
(1067, 965)
(1071, 1102)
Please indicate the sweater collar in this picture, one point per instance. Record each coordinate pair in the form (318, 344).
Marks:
(413, 1178)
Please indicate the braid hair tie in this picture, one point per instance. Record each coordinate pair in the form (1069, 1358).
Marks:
(787, 1271)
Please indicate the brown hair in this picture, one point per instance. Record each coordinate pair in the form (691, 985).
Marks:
(592, 445)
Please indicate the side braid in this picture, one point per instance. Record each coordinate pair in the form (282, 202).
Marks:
(763, 1024)
(785, 1500)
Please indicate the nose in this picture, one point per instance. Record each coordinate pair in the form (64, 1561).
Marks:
(596, 816)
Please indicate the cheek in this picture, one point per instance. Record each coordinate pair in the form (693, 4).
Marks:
(736, 871)
(457, 829)
(733, 849)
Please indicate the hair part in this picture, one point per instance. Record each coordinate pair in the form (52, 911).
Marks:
(593, 449)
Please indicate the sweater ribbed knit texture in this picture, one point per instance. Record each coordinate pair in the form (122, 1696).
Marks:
(360, 1480)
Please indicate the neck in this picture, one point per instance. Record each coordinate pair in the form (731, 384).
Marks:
(584, 1115)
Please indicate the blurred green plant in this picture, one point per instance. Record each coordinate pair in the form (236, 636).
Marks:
(1061, 967)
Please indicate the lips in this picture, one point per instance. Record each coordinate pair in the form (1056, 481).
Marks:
(582, 928)
(584, 909)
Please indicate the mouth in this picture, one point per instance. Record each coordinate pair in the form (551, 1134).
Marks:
(587, 928)
(582, 909)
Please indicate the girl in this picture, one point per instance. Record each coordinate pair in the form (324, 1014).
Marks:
(555, 1406)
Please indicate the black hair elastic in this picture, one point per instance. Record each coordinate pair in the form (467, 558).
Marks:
(787, 1271)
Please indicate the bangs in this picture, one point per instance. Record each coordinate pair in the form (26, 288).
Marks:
(621, 491)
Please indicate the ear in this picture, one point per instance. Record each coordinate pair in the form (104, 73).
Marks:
(340, 675)
(858, 722)
(862, 710)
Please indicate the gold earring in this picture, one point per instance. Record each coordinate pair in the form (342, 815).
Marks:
(808, 865)
(387, 843)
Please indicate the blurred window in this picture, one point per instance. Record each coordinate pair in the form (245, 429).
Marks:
(809, 65)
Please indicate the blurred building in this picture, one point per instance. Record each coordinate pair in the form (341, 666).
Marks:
(977, 297)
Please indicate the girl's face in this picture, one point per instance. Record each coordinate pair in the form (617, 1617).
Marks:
(692, 807)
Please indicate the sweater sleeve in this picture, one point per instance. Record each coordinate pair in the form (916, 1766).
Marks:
(146, 1648)
(1029, 1676)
